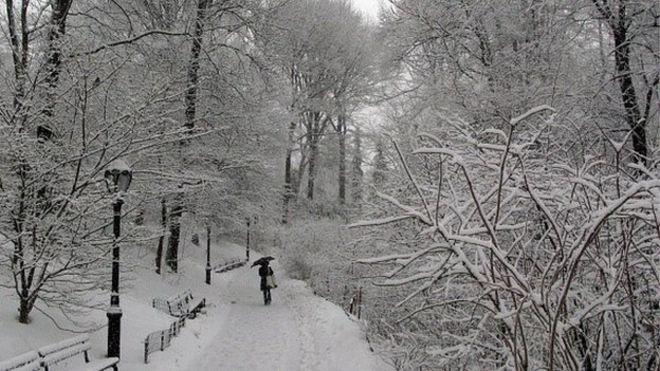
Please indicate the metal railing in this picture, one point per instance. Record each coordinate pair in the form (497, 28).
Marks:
(159, 340)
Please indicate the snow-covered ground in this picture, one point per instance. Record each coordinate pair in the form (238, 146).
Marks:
(298, 331)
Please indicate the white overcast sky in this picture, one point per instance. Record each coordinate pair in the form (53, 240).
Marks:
(368, 7)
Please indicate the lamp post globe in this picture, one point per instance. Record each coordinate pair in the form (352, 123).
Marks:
(118, 176)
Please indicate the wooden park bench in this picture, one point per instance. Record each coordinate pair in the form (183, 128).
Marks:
(179, 305)
(229, 265)
(29, 361)
(46, 357)
(176, 305)
(67, 349)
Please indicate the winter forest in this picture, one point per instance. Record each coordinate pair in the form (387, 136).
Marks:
(485, 173)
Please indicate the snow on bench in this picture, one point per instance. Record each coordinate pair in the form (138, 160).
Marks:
(229, 265)
(197, 309)
(29, 361)
(66, 349)
(179, 304)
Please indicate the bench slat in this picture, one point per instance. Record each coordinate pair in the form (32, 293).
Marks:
(55, 353)
(52, 348)
(176, 305)
(58, 356)
(32, 366)
(23, 362)
(97, 365)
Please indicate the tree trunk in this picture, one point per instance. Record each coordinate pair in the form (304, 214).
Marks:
(54, 53)
(288, 191)
(315, 129)
(634, 118)
(172, 253)
(380, 165)
(297, 174)
(193, 66)
(356, 171)
(341, 130)
(619, 21)
(19, 51)
(24, 311)
(311, 170)
(25, 306)
(191, 109)
(161, 240)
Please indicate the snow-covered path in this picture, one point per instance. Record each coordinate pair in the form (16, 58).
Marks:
(253, 336)
(297, 332)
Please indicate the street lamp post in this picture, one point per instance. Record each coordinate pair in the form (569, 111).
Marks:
(208, 255)
(118, 177)
(247, 240)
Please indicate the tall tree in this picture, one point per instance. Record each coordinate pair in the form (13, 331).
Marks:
(177, 203)
(32, 188)
(355, 81)
(315, 45)
(629, 23)
(226, 93)
(57, 246)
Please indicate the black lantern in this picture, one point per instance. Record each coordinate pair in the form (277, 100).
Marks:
(118, 176)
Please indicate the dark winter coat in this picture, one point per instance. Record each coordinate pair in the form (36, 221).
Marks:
(264, 270)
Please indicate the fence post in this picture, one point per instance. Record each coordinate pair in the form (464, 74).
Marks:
(146, 350)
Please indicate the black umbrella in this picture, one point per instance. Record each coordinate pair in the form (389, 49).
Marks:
(262, 261)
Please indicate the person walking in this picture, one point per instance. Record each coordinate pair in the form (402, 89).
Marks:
(267, 276)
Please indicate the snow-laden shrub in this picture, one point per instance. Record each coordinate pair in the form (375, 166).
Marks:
(318, 251)
(520, 252)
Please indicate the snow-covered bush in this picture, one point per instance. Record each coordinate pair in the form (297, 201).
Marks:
(521, 251)
(317, 251)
